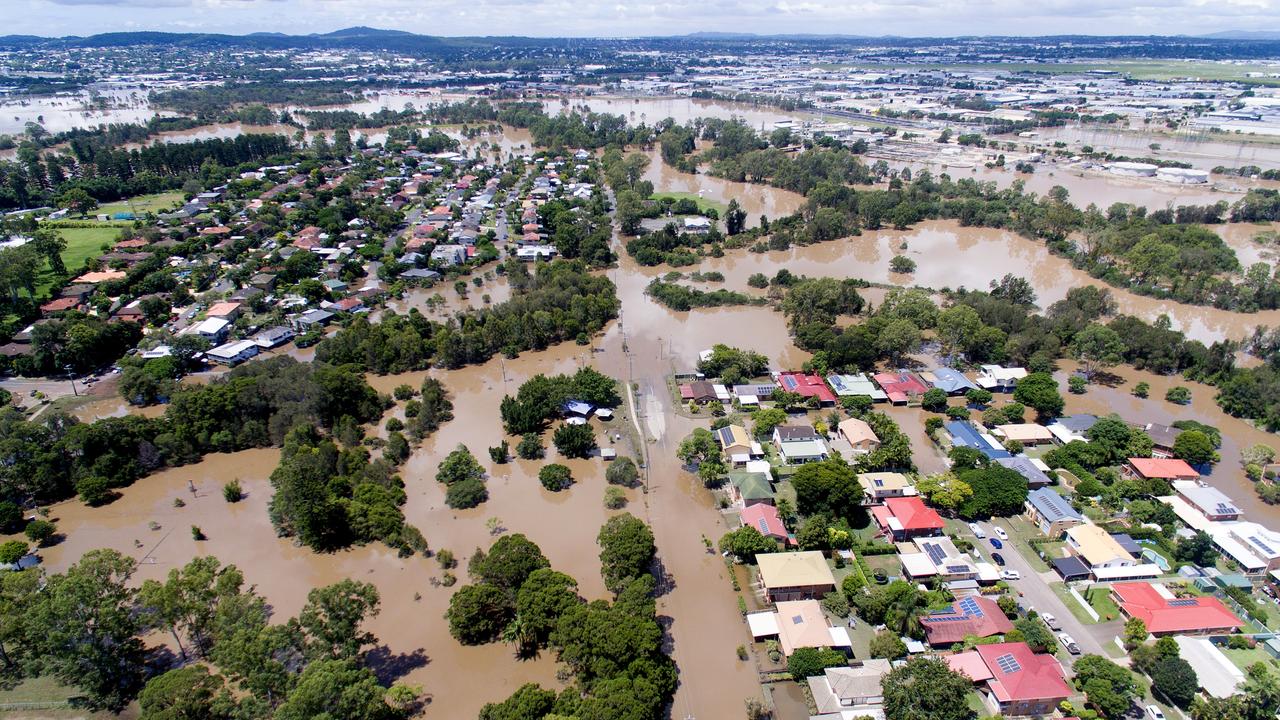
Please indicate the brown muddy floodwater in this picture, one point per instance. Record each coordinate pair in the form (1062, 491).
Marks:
(755, 199)
(1237, 434)
(652, 110)
(1201, 150)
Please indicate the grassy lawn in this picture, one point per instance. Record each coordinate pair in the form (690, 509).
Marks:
(1100, 599)
(703, 203)
(1244, 658)
(888, 563)
(160, 202)
(1020, 531)
(82, 244)
(1060, 590)
(975, 703)
(43, 697)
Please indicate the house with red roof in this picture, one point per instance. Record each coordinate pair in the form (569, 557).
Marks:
(1017, 680)
(906, 517)
(973, 616)
(60, 305)
(1169, 469)
(900, 386)
(807, 385)
(1166, 614)
(765, 518)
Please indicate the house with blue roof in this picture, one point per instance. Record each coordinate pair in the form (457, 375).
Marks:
(963, 434)
(949, 380)
(1051, 512)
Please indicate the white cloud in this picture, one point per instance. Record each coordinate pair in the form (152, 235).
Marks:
(661, 17)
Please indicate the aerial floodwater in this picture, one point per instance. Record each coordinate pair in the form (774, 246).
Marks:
(638, 378)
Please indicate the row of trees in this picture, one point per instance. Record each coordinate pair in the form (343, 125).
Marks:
(85, 627)
(254, 405)
(613, 650)
(560, 301)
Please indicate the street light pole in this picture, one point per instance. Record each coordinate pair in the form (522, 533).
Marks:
(72, 376)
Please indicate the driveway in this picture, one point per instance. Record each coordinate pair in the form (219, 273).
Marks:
(1035, 593)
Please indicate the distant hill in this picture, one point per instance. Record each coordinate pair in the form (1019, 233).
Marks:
(1244, 35)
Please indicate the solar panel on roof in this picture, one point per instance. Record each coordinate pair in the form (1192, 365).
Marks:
(1008, 664)
(935, 553)
(970, 606)
(764, 526)
(1187, 602)
(797, 619)
(1265, 547)
(1225, 509)
(957, 569)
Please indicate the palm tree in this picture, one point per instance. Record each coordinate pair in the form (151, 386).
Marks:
(521, 634)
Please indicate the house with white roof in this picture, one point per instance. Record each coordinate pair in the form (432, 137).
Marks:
(1210, 501)
(999, 379)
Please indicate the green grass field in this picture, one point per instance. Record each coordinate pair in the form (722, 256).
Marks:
(160, 202)
(703, 203)
(1100, 599)
(82, 244)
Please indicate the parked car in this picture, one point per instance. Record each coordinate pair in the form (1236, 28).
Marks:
(1010, 575)
(976, 529)
(1069, 643)
(1000, 533)
(998, 559)
(996, 544)
(1154, 713)
(1051, 621)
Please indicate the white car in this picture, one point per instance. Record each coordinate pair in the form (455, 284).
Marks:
(1010, 575)
(1155, 713)
(1000, 533)
(1051, 621)
(976, 529)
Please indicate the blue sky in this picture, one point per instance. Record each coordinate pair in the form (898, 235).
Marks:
(638, 17)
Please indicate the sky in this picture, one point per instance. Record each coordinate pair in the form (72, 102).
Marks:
(624, 18)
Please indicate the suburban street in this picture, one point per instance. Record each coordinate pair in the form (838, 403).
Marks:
(1034, 593)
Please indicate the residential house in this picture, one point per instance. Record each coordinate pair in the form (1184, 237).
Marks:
(905, 517)
(531, 253)
(225, 310)
(1025, 433)
(1216, 674)
(1167, 614)
(233, 353)
(1097, 548)
(699, 391)
(765, 518)
(1032, 469)
(948, 380)
(1017, 681)
(751, 394)
(963, 433)
(697, 225)
(1162, 439)
(213, 329)
(273, 337)
(737, 444)
(999, 379)
(799, 624)
(1072, 427)
(449, 255)
(1051, 512)
(1210, 501)
(799, 444)
(973, 616)
(938, 557)
(900, 387)
(795, 575)
(855, 385)
(1253, 547)
(858, 434)
(808, 385)
(847, 692)
(880, 486)
(60, 305)
(313, 318)
(750, 488)
(1169, 469)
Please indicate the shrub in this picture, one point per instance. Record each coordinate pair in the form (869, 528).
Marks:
(574, 441)
(197, 534)
(39, 531)
(395, 424)
(902, 264)
(1077, 384)
(466, 493)
(1178, 395)
(232, 492)
(1142, 389)
(403, 392)
(12, 551)
(530, 447)
(555, 477)
(500, 453)
(622, 471)
(614, 498)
